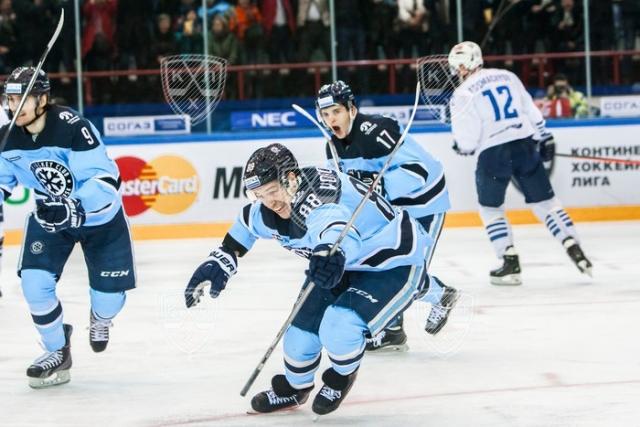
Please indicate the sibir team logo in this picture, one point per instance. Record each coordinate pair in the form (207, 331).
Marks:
(168, 184)
(54, 177)
(36, 247)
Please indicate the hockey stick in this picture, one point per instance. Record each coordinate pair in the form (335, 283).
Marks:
(32, 81)
(332, 147)
(308, 287)
(601, 159)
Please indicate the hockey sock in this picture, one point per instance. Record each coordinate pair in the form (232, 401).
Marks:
(38, 287)
(342, 334)
(556, 219)
(497, 227)
(106, 305)
(499, 232)
(302, 351)
(434, 291)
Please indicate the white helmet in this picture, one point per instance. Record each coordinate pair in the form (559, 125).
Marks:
(467, 54)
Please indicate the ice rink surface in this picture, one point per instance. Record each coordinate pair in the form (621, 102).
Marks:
(560, 350)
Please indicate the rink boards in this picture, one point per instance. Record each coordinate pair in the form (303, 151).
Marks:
(190, 186)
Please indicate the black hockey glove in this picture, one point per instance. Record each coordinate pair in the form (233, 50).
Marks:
(215, 271)
(459, 152)
(547, 148)
(324, 270)
(59, 213)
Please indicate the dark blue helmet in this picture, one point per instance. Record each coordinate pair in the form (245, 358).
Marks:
(17, 82)
(267, 164)
(337, 92)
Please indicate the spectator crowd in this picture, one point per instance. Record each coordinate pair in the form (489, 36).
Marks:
(135, 34)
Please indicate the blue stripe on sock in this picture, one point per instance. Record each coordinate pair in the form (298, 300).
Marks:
(498, 230)
(499, 236)
(45, 319)
(348, 361)
(304, 369)
(496, 224)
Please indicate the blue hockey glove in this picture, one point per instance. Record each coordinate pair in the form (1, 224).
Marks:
(547, 148)
(324, 270)
(59, 213)
(459, 152)
(215, 271)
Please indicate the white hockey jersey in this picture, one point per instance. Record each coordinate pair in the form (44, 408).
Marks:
(492, 107)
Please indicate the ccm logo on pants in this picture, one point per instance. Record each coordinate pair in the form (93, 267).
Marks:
(123, 273)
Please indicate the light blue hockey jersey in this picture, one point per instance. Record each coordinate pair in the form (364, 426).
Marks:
(68, 159)
(381, 238)
(415, 179)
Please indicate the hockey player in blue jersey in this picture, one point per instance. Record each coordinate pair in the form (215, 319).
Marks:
(4, 119)
(60, 155)
(494, 116)
(373, 277)
(415, 181)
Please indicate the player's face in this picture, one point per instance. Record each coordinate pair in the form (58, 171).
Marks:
(275, 197)
(28, 112)
(337, 119)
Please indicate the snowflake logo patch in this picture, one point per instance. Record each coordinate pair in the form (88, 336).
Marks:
(54, 177)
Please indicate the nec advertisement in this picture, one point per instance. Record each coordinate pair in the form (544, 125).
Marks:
(243, 120)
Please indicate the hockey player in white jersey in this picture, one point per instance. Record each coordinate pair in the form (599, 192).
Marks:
(493, 116)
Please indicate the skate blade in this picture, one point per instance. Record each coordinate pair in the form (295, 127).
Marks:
(252, 412)
(390, 349)
(58, 378)
(510, 280)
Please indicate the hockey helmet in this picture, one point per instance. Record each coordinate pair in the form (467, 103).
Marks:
(335, 93)
(268, 164)
(18, 81)
(466, 53)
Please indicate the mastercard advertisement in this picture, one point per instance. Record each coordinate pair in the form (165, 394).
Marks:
(166, 184)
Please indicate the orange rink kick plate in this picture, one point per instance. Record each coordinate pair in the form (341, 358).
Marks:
(453, 219)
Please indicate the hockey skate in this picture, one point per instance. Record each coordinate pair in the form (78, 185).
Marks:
(577, 256)
(335, 389)
(439, 313)
(98, 333)
(282, 396)
(392, 338)
(52, 368)
(509, 273)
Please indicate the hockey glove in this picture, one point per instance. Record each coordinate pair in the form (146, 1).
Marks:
(547, 148)
(324, 270)
(459, 151)
(59, 213)
(215, 271)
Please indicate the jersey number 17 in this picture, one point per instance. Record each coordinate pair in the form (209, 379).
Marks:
(502, 95)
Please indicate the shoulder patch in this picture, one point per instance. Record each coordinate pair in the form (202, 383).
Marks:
(68, 117)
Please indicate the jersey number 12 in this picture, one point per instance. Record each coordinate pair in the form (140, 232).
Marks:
(507, 111)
